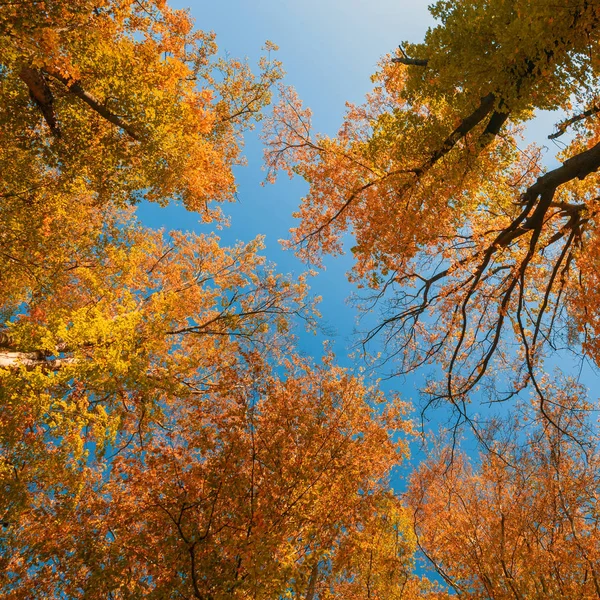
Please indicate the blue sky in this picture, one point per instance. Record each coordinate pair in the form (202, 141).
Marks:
(329, 49)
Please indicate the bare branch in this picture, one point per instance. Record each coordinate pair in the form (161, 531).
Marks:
(417, 62)
(405, 60)
(564, 125)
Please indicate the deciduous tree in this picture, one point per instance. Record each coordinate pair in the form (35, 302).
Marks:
(123, 98)
(159, 435)
(482, 259)
(522, 521)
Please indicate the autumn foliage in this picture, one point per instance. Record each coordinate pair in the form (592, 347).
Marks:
(524, 523)
(480, 258)
(160, 434)
(124, 99)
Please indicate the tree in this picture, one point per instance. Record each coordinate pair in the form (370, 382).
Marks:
(124, 100)
(524, 522)
(376, 560)
(218, 476)
(159, 435)
(482, 260)
(106, 103)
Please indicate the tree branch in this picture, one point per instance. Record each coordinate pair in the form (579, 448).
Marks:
(41, 94)
(31, 360)
(312, 582)
(405, 60)
(564, 125)
(417, 62)
(76, 89)
(466, 125)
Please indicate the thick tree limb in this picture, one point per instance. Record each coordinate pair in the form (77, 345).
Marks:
(31, 360)
(495, 123)
(41, 94)
(417, 62)
(76, 89)
(8, 343)
(466, 125)
(405, 60)
(577, 167)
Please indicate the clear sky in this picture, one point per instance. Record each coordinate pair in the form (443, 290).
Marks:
(329, 49)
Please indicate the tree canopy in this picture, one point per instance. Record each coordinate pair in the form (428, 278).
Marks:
(161, 435)
(124, 99)
(524, 524)
(483, 259)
